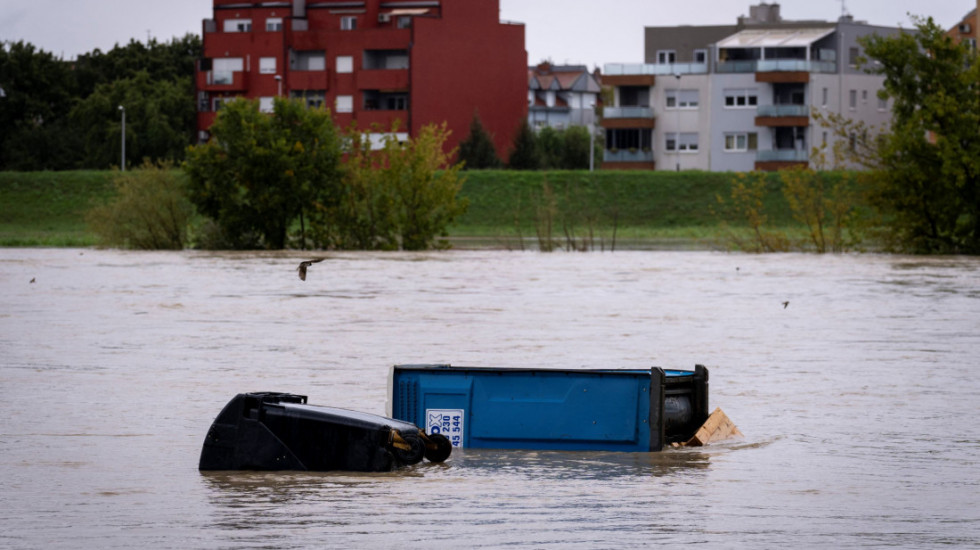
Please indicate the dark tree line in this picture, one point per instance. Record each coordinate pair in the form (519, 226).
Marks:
(547, 149)
(61, 115)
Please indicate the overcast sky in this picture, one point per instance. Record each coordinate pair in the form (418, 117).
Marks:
(588, 32)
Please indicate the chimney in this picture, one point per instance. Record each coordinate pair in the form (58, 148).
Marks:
(762, 13)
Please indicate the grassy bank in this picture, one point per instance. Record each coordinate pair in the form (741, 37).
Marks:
(48, 208)
(506, 208)
(579, 209)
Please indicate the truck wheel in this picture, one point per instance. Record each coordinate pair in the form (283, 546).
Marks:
(414, 456)
(439, 448)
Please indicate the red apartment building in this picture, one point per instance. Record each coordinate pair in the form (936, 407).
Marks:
(372, 62)
(966, 29)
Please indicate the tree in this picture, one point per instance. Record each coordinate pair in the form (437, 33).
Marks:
(398, 196)
(262, 173)
(551, 143)
(927, 167)
(363, 217)
(575, 152)
(149, 212)
(158, 116)
(426, 186)
(33, 114)
(477, 150)
(56, 112)
(525, 155)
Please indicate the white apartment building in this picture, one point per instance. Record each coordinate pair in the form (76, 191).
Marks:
(740, 97)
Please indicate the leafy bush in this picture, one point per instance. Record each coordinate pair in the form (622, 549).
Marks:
(150, 210)
(401, 196)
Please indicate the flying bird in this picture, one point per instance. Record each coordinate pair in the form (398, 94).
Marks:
(785, 305)
(303, 265)
(33, 279)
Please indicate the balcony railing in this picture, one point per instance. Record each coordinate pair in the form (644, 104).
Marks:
(626, 155)
(795, 65)
(627, 112)
(783, 110)
(620, 69)
(776, 65)
(224, 80)
(783, 155)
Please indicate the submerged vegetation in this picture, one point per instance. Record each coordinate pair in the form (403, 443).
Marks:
(564, 210)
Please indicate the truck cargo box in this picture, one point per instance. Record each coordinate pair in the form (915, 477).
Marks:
(504, 408)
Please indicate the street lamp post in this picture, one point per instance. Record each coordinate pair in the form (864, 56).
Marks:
(592, 139)
(677, 108)
(122, 139)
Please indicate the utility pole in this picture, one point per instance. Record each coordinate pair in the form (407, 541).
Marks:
(122, 139)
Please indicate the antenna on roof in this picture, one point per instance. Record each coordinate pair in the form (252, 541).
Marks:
(843, 8)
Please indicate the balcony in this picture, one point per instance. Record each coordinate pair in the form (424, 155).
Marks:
(778, 159)
(211, 81)
(656, 69)
(782, 115)
(627, 155)
(795, 65)
(769, 66)
(627, 112)
(382, 79)
(627, 159)
(628, 116)
(309, 80)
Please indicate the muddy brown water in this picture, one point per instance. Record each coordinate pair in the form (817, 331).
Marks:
(859, 400)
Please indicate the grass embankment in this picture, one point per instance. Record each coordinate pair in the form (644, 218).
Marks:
(596, 210)
(48, 208)
(506, 208)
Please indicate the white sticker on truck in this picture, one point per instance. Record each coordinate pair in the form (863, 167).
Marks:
(448, 422)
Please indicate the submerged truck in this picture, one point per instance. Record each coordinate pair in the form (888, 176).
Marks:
(280, 431)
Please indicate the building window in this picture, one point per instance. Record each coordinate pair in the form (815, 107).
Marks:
(685, 142)
(266, 104)
(864, 96)
(381, 101)
(348, 22)
(273, 24)
(238, 25)
(824, 98)
(666, 56)
(218, 102)
(853, 99)
(313, 99)
(882, 103)
(345, 64)
(626, 139)
(741, 142)
(736, 98)
(314, 60)
(682, 99)
(345, 104)
(404, 21)
(385, 59)
(700, 56)
(267, 65)
(853, 54)
(224, 69)
(824, 138)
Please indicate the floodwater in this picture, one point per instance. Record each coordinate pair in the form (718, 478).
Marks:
(859, 399)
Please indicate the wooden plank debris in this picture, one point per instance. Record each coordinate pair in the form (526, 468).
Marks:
(717, 427)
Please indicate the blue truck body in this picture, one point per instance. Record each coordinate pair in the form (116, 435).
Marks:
(551, 409)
